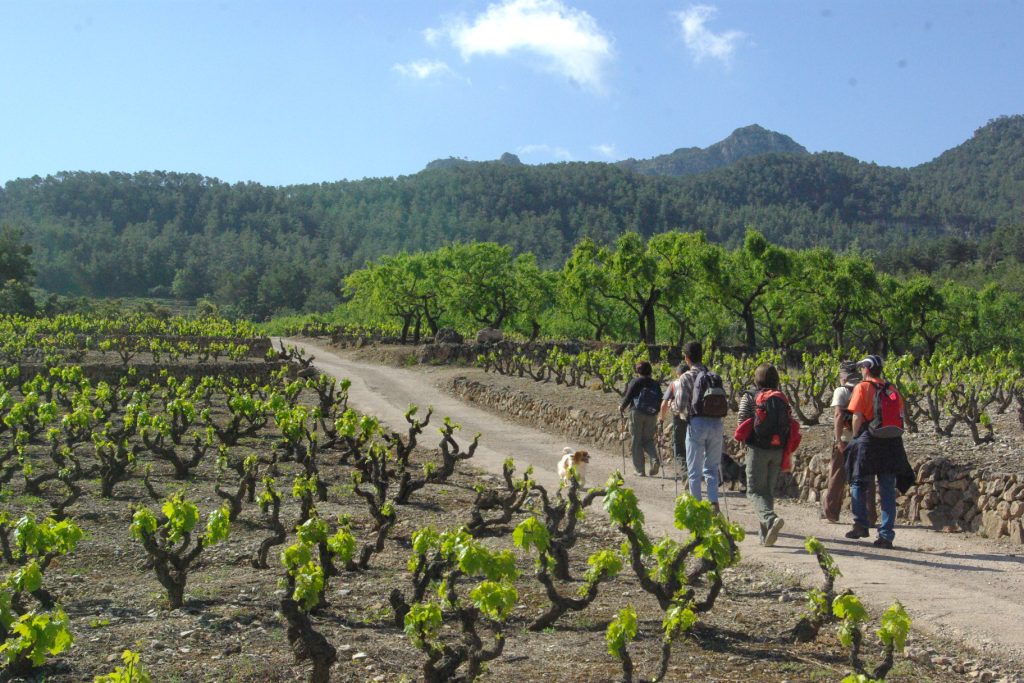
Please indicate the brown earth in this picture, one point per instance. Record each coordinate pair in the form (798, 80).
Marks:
(955, 586)
(229, 628)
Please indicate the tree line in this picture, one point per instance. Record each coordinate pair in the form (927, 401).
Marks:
(676, 286)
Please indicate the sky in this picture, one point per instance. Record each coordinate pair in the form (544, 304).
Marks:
(294, 92)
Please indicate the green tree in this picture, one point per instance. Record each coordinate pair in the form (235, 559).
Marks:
(739, 278)
(486, 282)
(16, 273)
(584, 281)
(403, 286)
(679, 276)
(14, 256)
(841, 287)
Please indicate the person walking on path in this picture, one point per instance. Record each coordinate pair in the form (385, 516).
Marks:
(704, 422)
(764, 454)
(643, 397)
(670, 404)
(842, 435)
(872, 453)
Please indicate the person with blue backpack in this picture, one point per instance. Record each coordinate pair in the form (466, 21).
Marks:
(705, 403)
(643, 397)
(876, 451)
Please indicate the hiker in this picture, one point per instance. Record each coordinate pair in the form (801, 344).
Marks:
(670, 403)
(704, 405)
(643, 394)
(770, 416)
(842, 424)
(876, 450)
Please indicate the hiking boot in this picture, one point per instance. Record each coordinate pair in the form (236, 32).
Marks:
(882, 543)
(655, 467)
(858, 531)
(716, 508)
(772, 534)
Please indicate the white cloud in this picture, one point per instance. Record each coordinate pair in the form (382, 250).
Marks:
(605, 150)
(432, 36)
(559, 153)
(422, 69)
(567, 40)
(701, 40)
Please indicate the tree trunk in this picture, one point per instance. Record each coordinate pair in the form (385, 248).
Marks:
(748, 322)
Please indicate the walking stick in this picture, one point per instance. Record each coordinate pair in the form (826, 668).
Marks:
(675, 460)
(622, 446)
(722, 495)
(657, 453)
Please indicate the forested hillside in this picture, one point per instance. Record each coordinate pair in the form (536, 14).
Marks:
(264, 249)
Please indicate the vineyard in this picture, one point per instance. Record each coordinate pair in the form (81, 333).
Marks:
(940, 393)
(182, 501)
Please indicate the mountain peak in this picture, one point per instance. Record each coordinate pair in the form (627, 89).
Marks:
(506, 159)
(752, 140)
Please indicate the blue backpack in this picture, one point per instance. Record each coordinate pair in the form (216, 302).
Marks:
(648, 401)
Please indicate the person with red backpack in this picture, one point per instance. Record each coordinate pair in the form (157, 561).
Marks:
(842, 435)
(769, 428)
(876, 451)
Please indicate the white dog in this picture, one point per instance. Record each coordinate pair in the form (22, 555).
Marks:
(575, 459)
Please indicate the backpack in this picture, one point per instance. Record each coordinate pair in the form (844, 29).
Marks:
(648, 401)
(888, 420)
(847, 415)
(772, 419)
(708, 398)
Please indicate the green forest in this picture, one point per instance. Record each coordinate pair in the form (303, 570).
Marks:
(258, 251)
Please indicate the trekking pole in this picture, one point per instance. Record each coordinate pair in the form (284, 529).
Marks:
(677, 476)
(680, 460)
(657, 453)
(722, 496)
(622, 446)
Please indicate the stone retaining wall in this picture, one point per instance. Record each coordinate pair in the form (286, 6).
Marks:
(606, 429)
(947, 497)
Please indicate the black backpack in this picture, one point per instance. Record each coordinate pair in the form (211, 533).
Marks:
(771, 420)
(648, 401)
(708, 398)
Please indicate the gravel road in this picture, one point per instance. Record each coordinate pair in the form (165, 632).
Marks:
(957, 587)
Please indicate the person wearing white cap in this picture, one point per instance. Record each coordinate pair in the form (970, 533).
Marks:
(876, 451)
(842, 435)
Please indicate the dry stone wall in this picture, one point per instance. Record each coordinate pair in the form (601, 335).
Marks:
(599, 429)
(947, 496)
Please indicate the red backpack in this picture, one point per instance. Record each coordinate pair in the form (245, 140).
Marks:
(888, 420)
(771, 420)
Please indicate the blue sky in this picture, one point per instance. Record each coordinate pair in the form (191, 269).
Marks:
(298, 92)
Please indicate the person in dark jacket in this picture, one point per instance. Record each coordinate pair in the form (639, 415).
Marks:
(869, 457)
(643, 424)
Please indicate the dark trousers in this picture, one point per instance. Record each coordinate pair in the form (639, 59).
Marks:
(835, 493)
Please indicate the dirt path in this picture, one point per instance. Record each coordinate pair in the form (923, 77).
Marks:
(957, 587)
